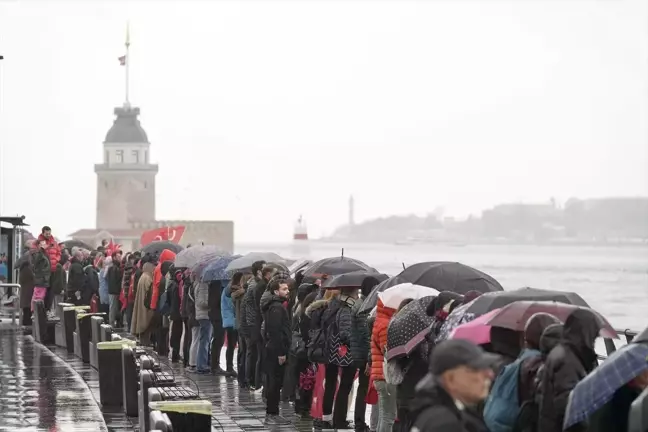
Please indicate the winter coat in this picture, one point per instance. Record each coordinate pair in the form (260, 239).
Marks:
(76, 277)
(360, 340)
(379, 340)
(25, 279)
(53, 251)
(613, 416)
(187, 304)
(227, 309)
(437, 412)
(42, 268)
(103, 285)
(141, 319)
(247, 309)
(568, 363)
(258, 291)
(201, 298)
(126, 278)
(529, 367)
(114, 279)
(215, 299)
(166, 255)
(277, 327)
(236, 293)
(338, 317)
(58, 280)
(91, 286)
(173, 294)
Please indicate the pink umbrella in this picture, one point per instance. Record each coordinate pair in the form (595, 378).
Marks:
(476, 331)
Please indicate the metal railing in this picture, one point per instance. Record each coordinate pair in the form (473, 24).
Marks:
(9, 291)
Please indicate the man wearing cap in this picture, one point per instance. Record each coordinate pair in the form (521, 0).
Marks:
(460, 376)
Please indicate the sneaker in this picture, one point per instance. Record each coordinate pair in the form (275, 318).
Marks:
(231, 372)
(204, 371)
(191, 369)
(272, 419)
(219, 372)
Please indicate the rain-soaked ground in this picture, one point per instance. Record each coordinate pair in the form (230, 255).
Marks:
(47, 389)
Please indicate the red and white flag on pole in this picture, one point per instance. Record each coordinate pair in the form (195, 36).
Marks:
(172, 234)
(122, 60)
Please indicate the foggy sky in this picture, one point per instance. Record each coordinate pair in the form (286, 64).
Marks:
(258, 111)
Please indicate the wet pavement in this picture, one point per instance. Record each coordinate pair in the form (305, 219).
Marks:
(43, 390)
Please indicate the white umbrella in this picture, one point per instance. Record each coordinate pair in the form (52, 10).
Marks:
(246, 261)
(392, 297)
(190, 256)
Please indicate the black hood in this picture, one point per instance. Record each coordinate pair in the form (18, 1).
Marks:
(305, 289)
(164, 268)
(581, 329)
(430, 393)
(269, 300)
(551, 336)
(441, 300)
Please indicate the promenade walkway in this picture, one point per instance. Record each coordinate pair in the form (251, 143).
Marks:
(47, 389)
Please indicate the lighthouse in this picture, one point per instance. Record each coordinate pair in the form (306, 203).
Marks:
(351, 211)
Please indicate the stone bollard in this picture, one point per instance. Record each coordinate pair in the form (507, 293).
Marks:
(110, 371)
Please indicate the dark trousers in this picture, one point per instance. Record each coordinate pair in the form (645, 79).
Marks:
(27, 316)
(342, 398)
(162, 340)
(361, 394)
(241, 360)
(175, 338)
(49, 297)
(217, 343)
(232, 337)
(290, 379)
(253, 362)
(274, 381)
(304, 397)
(187, 341)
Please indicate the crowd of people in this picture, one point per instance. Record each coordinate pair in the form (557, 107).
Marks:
(284, 334)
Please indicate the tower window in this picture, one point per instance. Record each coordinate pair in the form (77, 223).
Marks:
(135, 154)
(120, 156)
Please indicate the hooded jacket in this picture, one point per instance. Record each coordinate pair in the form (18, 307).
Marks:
(166, 255)
(236, 293)
(142, 316)
(76, 277)
(567, 363)
(42, 268)
(201, 299)
(379, 340)
(53, 251)
(277, 325)
(114, 279)
(227, 308)
(215, 300)
(529, 368)
(360, 339)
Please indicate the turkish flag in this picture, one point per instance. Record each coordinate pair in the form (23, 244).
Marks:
(112, 247)
(172, 234)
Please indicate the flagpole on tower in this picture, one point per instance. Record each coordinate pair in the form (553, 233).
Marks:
(127, 63)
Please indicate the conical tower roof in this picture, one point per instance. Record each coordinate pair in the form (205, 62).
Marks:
(126, 128)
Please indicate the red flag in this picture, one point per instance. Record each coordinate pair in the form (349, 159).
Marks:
(112, 247)
(122, 60)
(172, 234)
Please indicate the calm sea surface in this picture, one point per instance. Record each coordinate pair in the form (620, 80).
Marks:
(613, 280)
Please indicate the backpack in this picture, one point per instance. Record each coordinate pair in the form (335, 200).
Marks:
(164, 303)
(297, 344)
(503, 405)
(316, 349)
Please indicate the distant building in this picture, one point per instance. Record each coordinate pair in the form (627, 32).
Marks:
(126, 192)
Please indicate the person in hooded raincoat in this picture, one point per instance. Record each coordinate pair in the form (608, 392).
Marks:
(141, 320)
(567, 363)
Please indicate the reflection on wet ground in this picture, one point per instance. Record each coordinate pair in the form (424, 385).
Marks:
(43, 390)
(39, 392)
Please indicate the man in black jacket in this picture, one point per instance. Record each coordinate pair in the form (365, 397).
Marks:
(76, 279)
(248, 327)
(460, 377)
(114, 277)
(277, 344)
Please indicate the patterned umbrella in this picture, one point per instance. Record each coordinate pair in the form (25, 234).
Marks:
(190, 256)
(215, 269)
(597, 388)
(456, 318)
(408, 328)
(197, 269)
(495, 300)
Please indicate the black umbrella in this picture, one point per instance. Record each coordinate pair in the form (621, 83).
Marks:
(334, 266)
(155, 248)
(354, 279)
(495, 300)
(69, 244)
(447, 276)
(408, 328)
(277, 266)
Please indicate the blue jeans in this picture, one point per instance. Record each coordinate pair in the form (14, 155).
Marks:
(204, 342)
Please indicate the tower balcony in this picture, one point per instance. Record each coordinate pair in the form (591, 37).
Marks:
(117, 168)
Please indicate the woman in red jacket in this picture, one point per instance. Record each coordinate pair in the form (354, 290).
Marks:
(386, 392)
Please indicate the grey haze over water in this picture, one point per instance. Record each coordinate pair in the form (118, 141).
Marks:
(613, 280)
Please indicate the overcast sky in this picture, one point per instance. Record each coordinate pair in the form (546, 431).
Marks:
(258, 111)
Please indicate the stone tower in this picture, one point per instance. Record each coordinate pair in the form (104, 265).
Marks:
(126, 178)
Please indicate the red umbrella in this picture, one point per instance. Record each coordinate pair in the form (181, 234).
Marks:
(515, 315)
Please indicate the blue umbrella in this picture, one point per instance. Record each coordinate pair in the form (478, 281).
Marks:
(597, 388)
(216, 270)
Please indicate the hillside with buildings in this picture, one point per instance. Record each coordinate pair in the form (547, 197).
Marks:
(590, 221)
